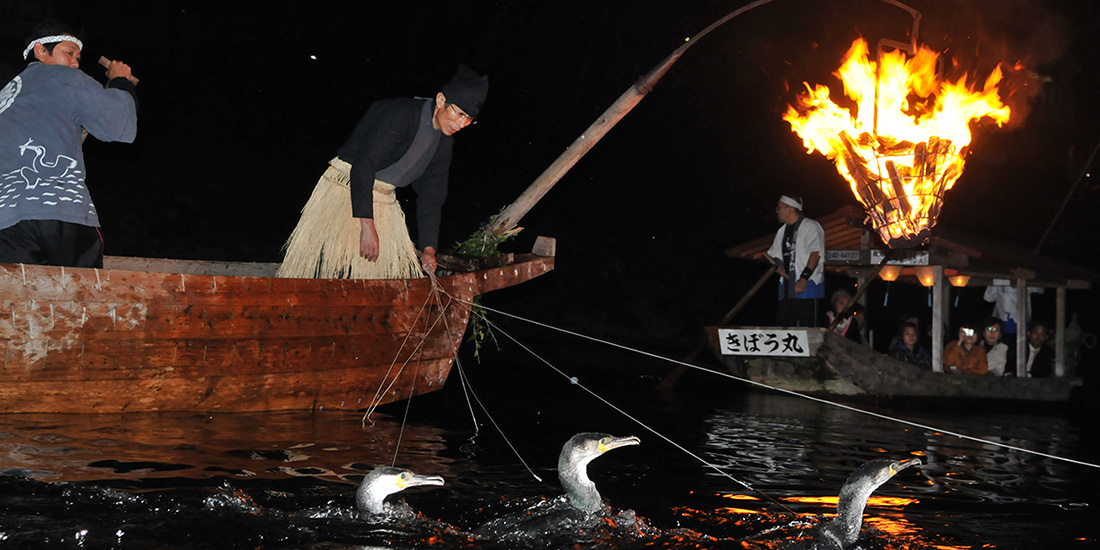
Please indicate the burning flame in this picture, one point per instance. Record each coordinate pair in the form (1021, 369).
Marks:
(906, 144)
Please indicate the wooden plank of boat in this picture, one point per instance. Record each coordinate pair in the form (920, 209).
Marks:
(175, 335)
(838, 366)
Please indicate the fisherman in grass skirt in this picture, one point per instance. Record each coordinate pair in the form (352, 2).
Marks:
(352, 226)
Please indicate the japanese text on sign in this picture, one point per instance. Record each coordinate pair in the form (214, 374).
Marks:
(783, 342)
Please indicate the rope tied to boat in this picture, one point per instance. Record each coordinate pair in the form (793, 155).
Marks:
(467, 387)
(785, 391)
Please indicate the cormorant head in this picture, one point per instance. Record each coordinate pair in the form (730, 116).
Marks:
(876, 472)
(843, 530)
(573, 466)
(385, 481)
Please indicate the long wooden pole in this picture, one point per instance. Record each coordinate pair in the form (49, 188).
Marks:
(509, 218)
(1069, 195)
(860, 291)
(677, 372)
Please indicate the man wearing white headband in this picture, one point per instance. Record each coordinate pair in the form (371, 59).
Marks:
(46, 212)
(799, 247)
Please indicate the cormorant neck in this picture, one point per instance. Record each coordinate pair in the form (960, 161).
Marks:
(579, 489)
(849, 519)
(371, 501)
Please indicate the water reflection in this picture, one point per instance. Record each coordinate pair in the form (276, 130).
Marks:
(153, 480)
(332, 445)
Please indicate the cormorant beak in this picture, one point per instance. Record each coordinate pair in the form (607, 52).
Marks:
(416, 480)
(903, 464)
(609, 443)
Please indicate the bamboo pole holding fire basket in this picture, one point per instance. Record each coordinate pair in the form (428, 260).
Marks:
(508, 219)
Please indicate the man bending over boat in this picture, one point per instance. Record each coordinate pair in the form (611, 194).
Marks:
(352, 226)
(46, 213)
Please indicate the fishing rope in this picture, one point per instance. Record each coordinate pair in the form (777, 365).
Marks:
(794, 393)
(417, 352)
(404, 422)
(437, 289)
(385, 388)
(467, 388)
(466, 393)
(573, 380)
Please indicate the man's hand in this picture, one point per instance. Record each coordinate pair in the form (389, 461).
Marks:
(368, 239)
(427, 259)
(800, 286)
(118, 69)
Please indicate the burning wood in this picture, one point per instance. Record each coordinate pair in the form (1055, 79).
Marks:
(913, 132)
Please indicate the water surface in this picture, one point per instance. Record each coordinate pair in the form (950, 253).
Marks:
(288, 479)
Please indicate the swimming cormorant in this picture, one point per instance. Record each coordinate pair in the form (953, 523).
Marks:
(385, 481)
(842, 531)
(579, 516)
(573, 466)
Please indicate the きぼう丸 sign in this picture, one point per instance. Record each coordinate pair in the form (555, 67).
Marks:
(773, 342)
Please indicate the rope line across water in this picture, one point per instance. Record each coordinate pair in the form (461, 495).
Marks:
(781, 390)
(573, 380)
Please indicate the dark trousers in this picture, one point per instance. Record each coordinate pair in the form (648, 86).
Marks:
(797, 312)
(51, 242)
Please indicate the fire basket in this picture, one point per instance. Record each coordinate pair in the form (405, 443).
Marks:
(906, 144)
(903, 190)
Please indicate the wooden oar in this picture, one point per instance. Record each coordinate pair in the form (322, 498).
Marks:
(677, 372)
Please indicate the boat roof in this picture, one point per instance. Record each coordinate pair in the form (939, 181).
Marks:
(854, 249)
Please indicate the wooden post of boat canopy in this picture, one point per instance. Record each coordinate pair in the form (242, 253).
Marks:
(1060, 334)
(1021, 327)
(937, 318)
(865, 244)
(945, 307)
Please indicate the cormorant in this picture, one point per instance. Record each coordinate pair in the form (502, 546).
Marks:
(580, 514)
(573, 466)
(843, 530)
(385, 481)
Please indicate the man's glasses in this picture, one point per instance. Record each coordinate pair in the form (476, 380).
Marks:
(469, 120)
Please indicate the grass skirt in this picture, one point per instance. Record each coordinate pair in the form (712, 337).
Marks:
(325, 244)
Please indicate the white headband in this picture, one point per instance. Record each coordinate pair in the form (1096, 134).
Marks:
(794, 203)
(51, 40)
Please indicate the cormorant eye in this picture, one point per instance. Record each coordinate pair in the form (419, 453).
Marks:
(404, 475)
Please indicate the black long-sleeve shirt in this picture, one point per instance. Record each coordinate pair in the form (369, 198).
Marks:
(379, 140)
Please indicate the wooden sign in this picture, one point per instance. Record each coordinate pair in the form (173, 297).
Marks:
(765, 341)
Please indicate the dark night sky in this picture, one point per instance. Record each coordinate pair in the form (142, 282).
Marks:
(238, 120)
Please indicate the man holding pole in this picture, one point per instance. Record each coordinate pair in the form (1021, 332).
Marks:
(799, 248)
(46, 213)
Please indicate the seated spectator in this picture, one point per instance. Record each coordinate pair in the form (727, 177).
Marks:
(851, 325)
(965, 356)
(909, 349)
(1040, 358)
(923, 336)
(999, 356)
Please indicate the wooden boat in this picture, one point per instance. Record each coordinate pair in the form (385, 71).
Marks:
(837, 366)
(174, 335)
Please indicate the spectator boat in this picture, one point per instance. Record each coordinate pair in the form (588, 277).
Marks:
(835, 365)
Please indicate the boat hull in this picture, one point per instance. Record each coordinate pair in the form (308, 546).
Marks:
(170, 335)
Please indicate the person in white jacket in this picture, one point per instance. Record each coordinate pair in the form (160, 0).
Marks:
(799, 247)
